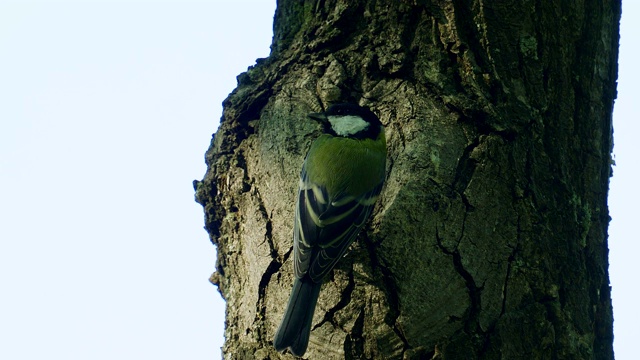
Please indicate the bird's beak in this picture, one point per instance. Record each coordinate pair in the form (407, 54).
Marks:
(320, 117)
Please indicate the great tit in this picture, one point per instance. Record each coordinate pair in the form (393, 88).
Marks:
(340, 181)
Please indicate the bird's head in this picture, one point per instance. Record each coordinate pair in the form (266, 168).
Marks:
(349, 120)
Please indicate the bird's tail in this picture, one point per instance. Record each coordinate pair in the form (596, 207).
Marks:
(294, 330)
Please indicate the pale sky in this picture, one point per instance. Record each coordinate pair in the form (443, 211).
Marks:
(106, 110)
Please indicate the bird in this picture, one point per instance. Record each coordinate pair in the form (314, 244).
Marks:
(341, 178)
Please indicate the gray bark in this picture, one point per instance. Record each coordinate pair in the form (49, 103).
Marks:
(489, 240)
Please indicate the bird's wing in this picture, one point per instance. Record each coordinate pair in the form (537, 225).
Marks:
(324, 229)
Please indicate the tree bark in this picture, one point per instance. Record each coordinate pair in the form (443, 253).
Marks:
(489, 240)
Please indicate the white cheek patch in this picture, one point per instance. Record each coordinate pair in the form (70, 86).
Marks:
(345, 125)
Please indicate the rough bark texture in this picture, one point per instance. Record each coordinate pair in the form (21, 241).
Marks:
(490, 237)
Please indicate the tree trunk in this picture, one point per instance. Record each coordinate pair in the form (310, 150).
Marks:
(489, 240)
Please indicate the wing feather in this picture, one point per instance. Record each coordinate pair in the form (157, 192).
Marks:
(324, 227)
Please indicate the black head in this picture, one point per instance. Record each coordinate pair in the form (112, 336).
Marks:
(349, 120)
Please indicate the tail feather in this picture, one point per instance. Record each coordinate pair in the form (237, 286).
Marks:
(294, 330)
